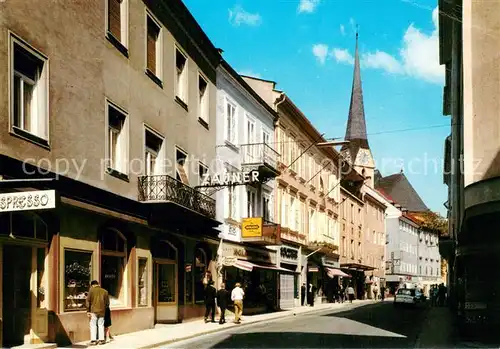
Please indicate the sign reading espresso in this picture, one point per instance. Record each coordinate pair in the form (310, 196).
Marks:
(27, 200)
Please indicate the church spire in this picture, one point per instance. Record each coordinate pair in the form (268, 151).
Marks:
(356, 124)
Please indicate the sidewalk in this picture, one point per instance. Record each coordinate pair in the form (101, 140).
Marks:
(438, 330)
(166, 334)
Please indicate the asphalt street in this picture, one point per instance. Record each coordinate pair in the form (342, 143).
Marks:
(378, 325)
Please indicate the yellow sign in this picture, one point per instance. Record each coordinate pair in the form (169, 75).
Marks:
(251, 227)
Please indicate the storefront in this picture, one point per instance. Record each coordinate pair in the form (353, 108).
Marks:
(255, 269)
(288, 258)
(153, 272)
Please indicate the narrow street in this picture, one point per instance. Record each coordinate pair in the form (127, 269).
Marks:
(373, 326)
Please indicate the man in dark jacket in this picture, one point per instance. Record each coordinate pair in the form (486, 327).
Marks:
(97, 302)
(210, 296)
(222, 300)
(303, 292)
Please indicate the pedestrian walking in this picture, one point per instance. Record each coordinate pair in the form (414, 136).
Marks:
(382, 293)
(107, 325)
(237, 296)
(303, 292)
(210, 296)
(97, 302)
(222, 300)
(350, 293)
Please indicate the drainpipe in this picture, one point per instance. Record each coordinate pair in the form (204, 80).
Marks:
(282, 97)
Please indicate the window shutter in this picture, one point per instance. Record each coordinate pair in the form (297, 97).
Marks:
(114, 18)
(151, 47)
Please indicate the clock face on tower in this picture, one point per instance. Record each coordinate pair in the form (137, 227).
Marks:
(364, 157)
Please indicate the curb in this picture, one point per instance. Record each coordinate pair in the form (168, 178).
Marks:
(212, 331)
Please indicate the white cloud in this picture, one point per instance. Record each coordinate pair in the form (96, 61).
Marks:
(320, 51)
(418, 55)
(342, 29)
(382, 60)
(249, 73)
(238, 16)
(342, 56)
(308, 6)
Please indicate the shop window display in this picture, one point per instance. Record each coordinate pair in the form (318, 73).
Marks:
(166, 283)
(142, 282)
(77, 277)
(199, 275)
(113, 255)
(259, 286)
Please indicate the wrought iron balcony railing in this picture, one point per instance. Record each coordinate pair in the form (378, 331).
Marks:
(168, 189)
(259, 154)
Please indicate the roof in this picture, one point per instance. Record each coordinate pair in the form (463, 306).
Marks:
(356, 123)
(400, 189)
(247, 87)
(385, 195)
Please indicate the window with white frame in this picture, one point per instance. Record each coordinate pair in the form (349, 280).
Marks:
(266, 138)
(292, 147)
(181, 166)
(292, 222)
(203, 98)
(29, 90)
(153, 47)
(312, 224)
(303, 217)
(251, 139)
(181, 76)
(117, 139)
(230, 111)
(266, 208)
(202, 171)
(251, 203)
(285, 206)
(118, 21)
(232, 202)
(153, 147)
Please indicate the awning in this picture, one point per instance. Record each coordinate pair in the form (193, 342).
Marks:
(248, 266)
(332, 272)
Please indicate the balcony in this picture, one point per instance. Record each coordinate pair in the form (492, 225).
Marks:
(261, 157)
(166, 189)
(256, 230)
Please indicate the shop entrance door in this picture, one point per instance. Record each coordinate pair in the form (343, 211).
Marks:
(165, 292)
(16, 294)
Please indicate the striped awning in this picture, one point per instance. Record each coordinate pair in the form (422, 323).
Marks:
(332, 272)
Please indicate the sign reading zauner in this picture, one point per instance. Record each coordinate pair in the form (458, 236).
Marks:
(27, 200)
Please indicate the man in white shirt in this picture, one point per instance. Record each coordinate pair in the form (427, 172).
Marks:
(350, 293)
(237, 297)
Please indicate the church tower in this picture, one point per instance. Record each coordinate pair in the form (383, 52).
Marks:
(358, 152)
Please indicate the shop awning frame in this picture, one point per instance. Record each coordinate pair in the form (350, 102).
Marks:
(332, 272)
(249, 266)
(357, 267)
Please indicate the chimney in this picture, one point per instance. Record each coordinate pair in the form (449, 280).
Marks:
(221, 51)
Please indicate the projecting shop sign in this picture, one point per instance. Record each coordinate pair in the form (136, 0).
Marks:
(28, 200)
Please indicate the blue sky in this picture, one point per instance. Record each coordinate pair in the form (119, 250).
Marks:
(306, 46)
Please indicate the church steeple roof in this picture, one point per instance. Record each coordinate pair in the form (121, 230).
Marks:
(356, 123)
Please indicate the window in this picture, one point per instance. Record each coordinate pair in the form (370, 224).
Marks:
(312, 225)
(113, 258)
(201, 265)
(266, 138)
(152, 150)
(202, 171)
(232, 201)
(251, 203)
(182, 76)
(230, 122)
(77, 277)
(181, 166)
(303, 217)
(118, 24)
(117, 139)
(352, 249)
(29, 91)
(142, 282)
(344, 246)
(153, 48)
(266, 208)
(292, 147)
(167, 282)
(203, 99)
(292, 224)
(41, 278)
(251, 140)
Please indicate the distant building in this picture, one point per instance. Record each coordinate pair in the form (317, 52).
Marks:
(411, 250)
